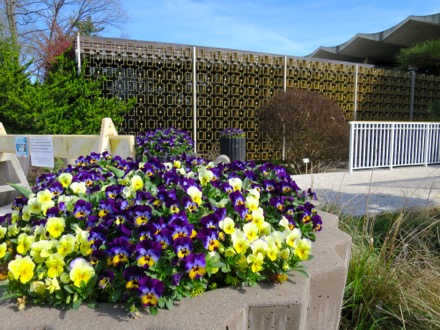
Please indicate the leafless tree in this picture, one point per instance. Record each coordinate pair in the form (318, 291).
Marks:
(309, 124)
(31, 20)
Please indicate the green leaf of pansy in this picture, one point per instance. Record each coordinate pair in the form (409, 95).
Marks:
(302, 273)
(7, 296)
(22, 190)
(169, 303)
(92, 305)
(77, 304)
(218, 264)
(226, 269)
(116, 171)
(116, 295)
(153, 310)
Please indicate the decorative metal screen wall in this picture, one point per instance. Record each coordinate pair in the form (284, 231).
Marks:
(231, 85)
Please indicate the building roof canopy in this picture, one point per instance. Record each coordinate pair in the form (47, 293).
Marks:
(381, 48)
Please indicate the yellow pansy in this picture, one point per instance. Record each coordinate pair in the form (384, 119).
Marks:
(272, 252)
(3, 249)
(41, 250)
(22, 268)
(259, 246)
(294, 235)
(278, 237)
(55, 265)
(15, 216)
(195, 194)
(252, 203)
(205, 176)
(13, 230)
(227, 225)
(81, 271)
(78, 188)
(26, 213)
(55, 226)
(258, 217)
(24, 243)
(34, 206)
(66, 245)
(265, 228)
(52, 285)
(251, 231)
(65, 179)
(302, 248)
(177, 164)
(240, 242)
(235, 183)
(256, 262)
(2, 231)
(136, 183)
(254, 193)
(44, 196)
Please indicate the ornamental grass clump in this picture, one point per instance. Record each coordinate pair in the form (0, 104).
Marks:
(164, 142)
(149, 234)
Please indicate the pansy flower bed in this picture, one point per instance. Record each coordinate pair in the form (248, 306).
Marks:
(164, 142)
(148, 234)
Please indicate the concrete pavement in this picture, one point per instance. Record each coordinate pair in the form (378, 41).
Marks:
(376, 190)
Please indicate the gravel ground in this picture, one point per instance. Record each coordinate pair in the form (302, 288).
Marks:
(375, 191)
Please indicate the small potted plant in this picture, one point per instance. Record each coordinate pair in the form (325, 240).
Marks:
(164, 144)
(233, 143)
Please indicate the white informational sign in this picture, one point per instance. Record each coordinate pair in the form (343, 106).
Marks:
(21, 146)
(41, 149)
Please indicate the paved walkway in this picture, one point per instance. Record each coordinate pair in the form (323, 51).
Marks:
(377, 190)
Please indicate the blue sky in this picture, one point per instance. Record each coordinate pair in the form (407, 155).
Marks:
(295, 27)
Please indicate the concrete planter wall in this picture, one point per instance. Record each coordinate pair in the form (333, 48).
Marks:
(234, 148)
(300, 303)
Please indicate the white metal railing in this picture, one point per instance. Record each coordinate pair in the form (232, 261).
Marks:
(387, 144)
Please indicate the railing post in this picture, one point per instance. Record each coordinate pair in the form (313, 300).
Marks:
(356, 89)
(351, 147)
(392, 147)
(195, 98)
(427, 143)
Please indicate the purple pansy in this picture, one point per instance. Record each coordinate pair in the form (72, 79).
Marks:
(195, 265)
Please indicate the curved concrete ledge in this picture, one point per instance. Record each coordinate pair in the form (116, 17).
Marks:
(300, 303)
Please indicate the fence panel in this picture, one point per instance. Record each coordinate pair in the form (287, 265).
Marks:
(388, 144)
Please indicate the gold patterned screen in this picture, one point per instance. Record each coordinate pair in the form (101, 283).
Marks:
(231, 85)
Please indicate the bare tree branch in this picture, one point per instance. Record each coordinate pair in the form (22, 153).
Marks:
(46, 20)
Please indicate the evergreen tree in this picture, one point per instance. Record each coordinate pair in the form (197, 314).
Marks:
(65, 103)
(18, 95)
(73, 104)
(423, 57)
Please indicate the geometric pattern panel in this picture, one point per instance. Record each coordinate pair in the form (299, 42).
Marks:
(225, 88)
